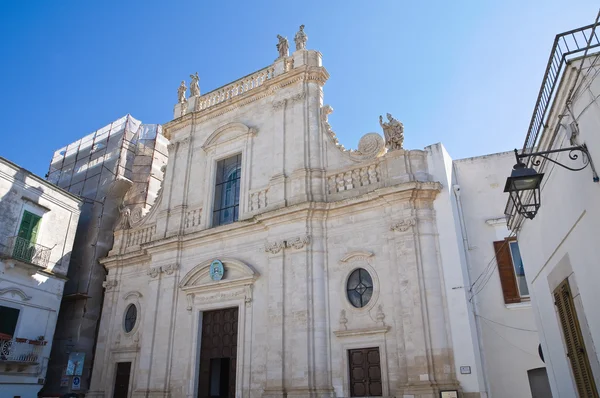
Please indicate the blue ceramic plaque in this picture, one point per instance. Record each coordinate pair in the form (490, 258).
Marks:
(216, 270)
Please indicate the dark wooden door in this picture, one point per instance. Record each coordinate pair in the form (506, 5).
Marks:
(122, 380)
(365, 372)
(218, 353)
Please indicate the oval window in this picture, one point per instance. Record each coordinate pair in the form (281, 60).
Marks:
(359, 288)
(130, 318)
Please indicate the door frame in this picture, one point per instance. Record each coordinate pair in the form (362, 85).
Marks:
(366, 343)
(122, 357)
(240, 376)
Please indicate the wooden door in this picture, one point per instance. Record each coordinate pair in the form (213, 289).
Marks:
(218, 353)
(365, 372)
(122, 380)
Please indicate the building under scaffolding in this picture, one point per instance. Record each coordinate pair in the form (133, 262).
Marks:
(117, 170)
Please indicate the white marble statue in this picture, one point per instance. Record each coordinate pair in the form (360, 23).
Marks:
(300, 39)
(181, 92)
(195, 86)
(283, 46)
(393, 131)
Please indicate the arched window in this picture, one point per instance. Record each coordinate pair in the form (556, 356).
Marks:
(227, 191)
(359, 288)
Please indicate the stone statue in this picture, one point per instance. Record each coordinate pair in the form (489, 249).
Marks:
(194, 86)
(181, 92)
(125, 219)
(283, 46)
(393, 131)
(300, 39)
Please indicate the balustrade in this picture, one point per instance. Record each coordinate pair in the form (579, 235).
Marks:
(192, 218)
(23, 250)
(234, 89)
(137, 237)
(258, 199)
(355, 178)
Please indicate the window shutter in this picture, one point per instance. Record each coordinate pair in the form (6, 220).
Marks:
(29, 226)
(506, 272)
(580, 364)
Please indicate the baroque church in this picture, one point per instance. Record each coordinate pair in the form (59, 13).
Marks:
(276, 263)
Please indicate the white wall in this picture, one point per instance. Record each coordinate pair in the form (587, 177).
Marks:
(37, 293)
(508, 351)
(562, 240)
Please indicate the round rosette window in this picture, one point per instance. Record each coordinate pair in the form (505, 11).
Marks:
(359, 288)
(130, 318)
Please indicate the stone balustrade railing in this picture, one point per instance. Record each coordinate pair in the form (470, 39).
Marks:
(259, 199)
(354, 178)
(136, 237)
(192, 218)
(234, 89)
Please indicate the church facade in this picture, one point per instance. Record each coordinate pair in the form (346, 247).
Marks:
(276, 263)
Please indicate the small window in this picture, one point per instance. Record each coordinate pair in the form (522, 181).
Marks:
(511, 271)
(227, 191)
(359, 288)
(130, 318)
(8, 322)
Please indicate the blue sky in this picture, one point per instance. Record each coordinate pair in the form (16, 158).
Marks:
(465, 73)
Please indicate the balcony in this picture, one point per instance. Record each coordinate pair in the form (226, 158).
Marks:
(20, 353)
(25, 252)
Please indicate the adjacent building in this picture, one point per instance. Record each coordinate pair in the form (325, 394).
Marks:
(557, 224)
(37, 228)
(116, 171)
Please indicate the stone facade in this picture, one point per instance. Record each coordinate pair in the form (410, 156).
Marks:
(33, 270)
(310, 213)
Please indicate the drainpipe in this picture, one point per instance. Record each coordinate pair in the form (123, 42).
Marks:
(465, 240)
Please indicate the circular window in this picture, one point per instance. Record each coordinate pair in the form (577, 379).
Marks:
(359, 288)
(130, 318)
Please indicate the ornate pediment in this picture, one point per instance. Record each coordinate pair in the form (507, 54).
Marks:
(13, 291)
(236, 273)
(228, 132)
(361, 255)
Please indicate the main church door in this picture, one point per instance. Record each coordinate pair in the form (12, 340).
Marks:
(218, 352)
(365, 372)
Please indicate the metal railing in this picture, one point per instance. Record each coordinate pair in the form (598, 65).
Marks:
(567, 46)
(23, 250)
(21, 350)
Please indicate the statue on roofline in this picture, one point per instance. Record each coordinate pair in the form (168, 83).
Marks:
(393, 131)
(194, 85)
(181, 92)
(301, 39)
(283, 46)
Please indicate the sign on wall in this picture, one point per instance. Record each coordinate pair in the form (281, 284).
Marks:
(75, 364)
(76, 385)
(216, 270)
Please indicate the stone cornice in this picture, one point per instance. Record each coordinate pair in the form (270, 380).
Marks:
(304, 73)
(380, 197)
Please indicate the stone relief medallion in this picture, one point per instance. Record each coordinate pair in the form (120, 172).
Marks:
(371, 145)
(136, 215)
(216, 270)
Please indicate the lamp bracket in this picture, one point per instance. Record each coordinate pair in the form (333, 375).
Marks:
(574, 153)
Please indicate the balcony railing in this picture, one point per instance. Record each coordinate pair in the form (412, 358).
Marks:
(21, 350)
(23, 250)
(567, 46)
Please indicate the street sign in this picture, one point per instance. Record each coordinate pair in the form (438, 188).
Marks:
(76, 384)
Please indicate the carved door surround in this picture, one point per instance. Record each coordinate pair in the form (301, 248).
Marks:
(204, 294)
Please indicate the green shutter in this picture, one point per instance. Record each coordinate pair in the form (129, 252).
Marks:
(30, 224)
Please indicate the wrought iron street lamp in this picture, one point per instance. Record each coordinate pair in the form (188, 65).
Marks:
(523, 185)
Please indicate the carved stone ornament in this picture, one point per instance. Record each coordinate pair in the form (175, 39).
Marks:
(125, 219)
(168, 269)
(404, 225)
(190, 301)
(393, 131)
(13, 291)
(371, 145)
(109, 284)
(274, 247)
(380, 316)
(300, 39)
(298, 242)
(343, 320)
